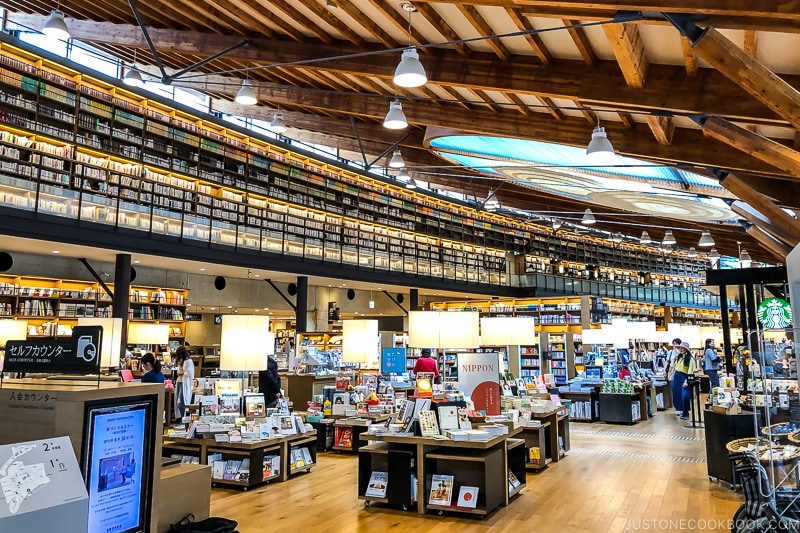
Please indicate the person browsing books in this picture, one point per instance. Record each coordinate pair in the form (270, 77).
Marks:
(185, 367)
(685, 366)
(426, 363)
(269, 383)
(152, 369)
(711, 361)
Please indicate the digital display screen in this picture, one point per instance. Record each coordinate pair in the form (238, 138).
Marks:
(117, 467)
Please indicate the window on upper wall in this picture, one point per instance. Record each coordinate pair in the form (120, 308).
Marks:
(54, 46)
(193, 99)
(95, 59)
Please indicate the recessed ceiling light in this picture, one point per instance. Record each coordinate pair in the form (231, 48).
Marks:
(202, 270)
(56, 252)
(271, 313)
(213, 308)
(257, 310)
(230, 307)
(267, 309)
(136, 262)
(258, 275)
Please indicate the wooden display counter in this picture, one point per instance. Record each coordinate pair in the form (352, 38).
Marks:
(255, 452)
(187, 490)
(347, 431)
(471, 463)
(301, 388)
(556, 433)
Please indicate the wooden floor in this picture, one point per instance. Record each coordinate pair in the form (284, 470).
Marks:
(615, 478)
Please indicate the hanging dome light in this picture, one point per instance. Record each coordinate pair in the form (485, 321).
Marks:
(246, 94)
(133, 78)
(669, 239)
(692, 252)
(557, 223)
(56, 26)
(395, 118)
(403, 175)
(714, 255)
(588, 218)
(412, 184)
(744, 259)
(645, 238)
(410, 72)
(491, 203)
(600, 150)
(397, 160)
(706, 240)
(617, 237)
(277, 125)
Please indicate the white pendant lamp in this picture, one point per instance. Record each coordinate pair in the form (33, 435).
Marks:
(669, 239)
(491, 203)
(714, 255)
(744, 259)
(277, 125)
(403, 176)
(557, 224)
(588, 218)
(132, 78)
(600, 150)
(395, 118)
(706, 240)
(412, 184)
(410, 72)
(246, 94)
(617, 238)
(397, 160)
(692, 252)
(56, 26)
(645, 239)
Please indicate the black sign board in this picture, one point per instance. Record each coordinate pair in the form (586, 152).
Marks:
(194, 317)
(79, 354)
(333, 312)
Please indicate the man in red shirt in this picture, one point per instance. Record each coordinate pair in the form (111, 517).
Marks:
(426, 364)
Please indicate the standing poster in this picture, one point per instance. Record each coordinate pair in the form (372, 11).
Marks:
(479, 378)
(393, 360)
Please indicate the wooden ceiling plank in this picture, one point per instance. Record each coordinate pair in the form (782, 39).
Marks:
(261, 19)
(708, 92)
(629, 51)
(488, 101)
(750, 74)
(214, 13)
(484, 28)
(663, 129)
(399, 22)
(761, 203)
(627, 120)
(753, 144)
(452, 93)
(300, 18)
(551, 107)
(434, 19)
(689, 58)
(318, 77)
(581, 41)
(750, 42)
(523, 24)
(522, 107)
(365, 22)
(588, 114)
(328, 15)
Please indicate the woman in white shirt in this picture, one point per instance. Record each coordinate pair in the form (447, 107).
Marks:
(185, 367)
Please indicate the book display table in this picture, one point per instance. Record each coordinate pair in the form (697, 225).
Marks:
(412, 464)
(556, 433)
(261, 455)
(347, 431)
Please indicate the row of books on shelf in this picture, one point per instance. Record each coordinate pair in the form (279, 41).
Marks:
(157, 297)
(68, 310)
(582, 409)
(14, 289)
(300, 457)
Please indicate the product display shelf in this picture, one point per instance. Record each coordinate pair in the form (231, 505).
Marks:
(556, 434)
(472, 463)
(398, 462)
(535, 439)
(347, 432)
(516, 462)
(581, 404)
(309, 443)
(530, 361)
(618, 408)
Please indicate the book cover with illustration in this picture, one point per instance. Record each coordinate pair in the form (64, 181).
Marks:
(441, 490)
(378, 482)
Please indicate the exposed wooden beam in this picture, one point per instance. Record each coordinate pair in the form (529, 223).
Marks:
(751, 75)
(776, 248)
(626, 119)
(750, 42)
(435, 19)
(452, 93)
(486, 99)
(290, 13)
(708, 92)
(483, 28)
(747, 212)
(588, 114)
(689, 59)
(356, 14)
(789, 228)
(758, 146)
(663, 128)
(261, 19)
(397, 20)
(523, 107)
(523, 24)
(581, 41)
(629, 51)
(785, 193)
(552, 108)
(327, 14)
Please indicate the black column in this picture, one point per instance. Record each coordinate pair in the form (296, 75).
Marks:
(302, 304)
(413, 300)
(726, 329)
(122, 289)
(752, 325)
(744, 318)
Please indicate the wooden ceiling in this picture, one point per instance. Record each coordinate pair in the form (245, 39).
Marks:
(328, 64)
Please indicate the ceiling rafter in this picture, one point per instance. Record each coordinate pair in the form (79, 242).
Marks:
(750, 42)
(521, 106)
(326, 14)
(483, 28)
(537, 44)
(299, 18)
(626, 119)
(369, 25)
(663, 129)
(398, 21)
(434, 19)
(689, 58)
(552, 108)
(629, 51)
(254, 13)
(581, 41)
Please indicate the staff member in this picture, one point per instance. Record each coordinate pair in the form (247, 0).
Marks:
(426, 363)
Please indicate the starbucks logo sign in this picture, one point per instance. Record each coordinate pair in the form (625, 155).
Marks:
(775, 313)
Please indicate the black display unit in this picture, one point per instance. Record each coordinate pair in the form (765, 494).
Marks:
(117, 460)
(720, 429)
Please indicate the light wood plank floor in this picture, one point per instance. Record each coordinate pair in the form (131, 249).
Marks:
(615, 478)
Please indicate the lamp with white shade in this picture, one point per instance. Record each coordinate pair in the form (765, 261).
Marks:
(246, 343)
(443, 329)
(360, 341)
(13, 330)
(111, 345)
(508, 331)
(144, 333)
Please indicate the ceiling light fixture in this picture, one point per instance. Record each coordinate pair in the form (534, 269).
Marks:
(133, 78)
(56, 26)
(395, 118)
(600, 150)
(714, 255)
(491, 203)
(397, 160)
(404, 176)
(588, 218)
(278, 125)
(246, 94)
(744, 259)
(706, 240)
(617, 237)
(410, 72)
(669, 239)
(645, 238)
(411, 184)
(557, 223)
(692, 252)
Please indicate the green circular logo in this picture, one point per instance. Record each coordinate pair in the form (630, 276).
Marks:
(775, 313)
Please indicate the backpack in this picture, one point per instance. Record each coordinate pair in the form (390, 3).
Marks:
(213, 524)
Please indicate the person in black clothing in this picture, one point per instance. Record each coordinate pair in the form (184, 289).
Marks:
(269, 383)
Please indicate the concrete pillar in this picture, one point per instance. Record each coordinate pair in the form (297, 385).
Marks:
(122, 289)
(302, 304)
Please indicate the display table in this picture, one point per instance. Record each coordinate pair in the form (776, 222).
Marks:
(720, 429)
(347, 430)
(256, 452)
(187, 490)
(535, 438)
(556, 433)
(472, 463)
(301, 388)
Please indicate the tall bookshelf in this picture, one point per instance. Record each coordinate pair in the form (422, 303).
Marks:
(52, 306)
(559, 355)
(530, 361)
